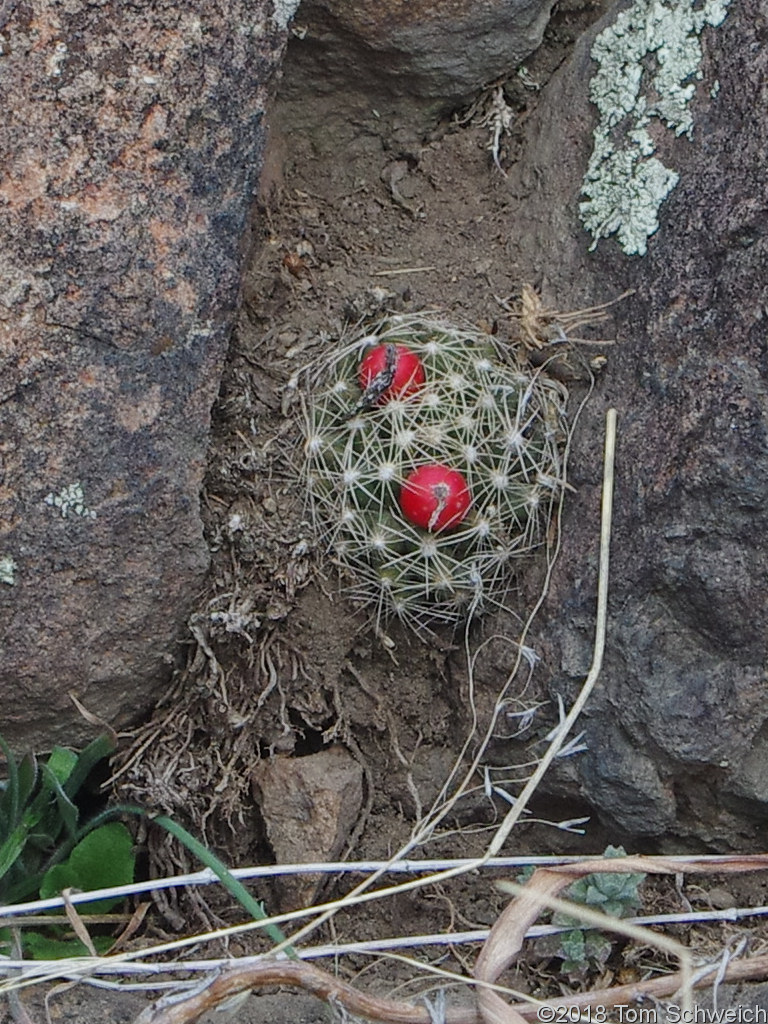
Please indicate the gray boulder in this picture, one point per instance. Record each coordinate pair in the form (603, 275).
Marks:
(402, 63)
(677, 728)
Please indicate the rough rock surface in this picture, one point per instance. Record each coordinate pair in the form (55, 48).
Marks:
(310, 806)
(131, 145)
(678, 726)
(419, 56)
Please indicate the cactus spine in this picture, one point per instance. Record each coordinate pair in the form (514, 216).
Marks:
(501, 426)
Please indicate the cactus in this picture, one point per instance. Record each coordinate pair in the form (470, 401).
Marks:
(502, 427)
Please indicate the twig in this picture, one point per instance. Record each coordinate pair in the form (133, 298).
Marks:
(189, 1009)
(207, 877)
(737, 970)
(402, 270)
(385, 945)
(16, 1006)
(508, 934)
(597, 658)
(299, 975)
(77, 966)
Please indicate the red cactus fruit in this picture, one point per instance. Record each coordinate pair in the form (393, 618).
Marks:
(435, 497)
(389, 371)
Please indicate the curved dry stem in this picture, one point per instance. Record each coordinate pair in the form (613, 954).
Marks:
(299, 975)
(507, 935)
(499, 951)
(599, 647)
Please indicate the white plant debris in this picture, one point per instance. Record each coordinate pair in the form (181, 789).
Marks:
(7, 570)
(648, 62)
(491, 111)
(527, 79)
(70, 501)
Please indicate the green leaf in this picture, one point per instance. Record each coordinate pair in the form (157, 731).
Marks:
(615, 894)
(573, 946)
(254, 907)
(43, 807)
(87, 760)
(578, 891)
(103, 858)
(40, 946)
(62, 777)
(28, 775)
(60, 763)
(67, 811)
(526, 874)
(597, 948)
(9, 803)
(12, 847)
(233, 885)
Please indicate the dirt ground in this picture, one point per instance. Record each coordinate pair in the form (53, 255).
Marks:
(279, 662)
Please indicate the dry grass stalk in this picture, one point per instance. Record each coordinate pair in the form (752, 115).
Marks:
(523, 800)
(500, 950)
(507, 935)
(540, 327)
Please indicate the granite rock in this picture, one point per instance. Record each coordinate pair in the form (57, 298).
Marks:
(309, 806)
(408, 61)
(677, 725)
(130, 151)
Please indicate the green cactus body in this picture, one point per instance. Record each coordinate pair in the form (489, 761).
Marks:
(502, 427)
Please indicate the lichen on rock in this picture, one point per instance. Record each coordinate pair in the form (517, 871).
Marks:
(284, 12)
(70, 501)
(625, 183)
(7, 570)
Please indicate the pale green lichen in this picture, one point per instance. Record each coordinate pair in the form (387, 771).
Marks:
(7, 570)
(648, 61)
(70, 501)
(284, 11)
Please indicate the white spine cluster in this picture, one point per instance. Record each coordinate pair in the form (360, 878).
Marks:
(502, 427)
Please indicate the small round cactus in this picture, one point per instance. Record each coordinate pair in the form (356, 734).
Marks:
(427, 485)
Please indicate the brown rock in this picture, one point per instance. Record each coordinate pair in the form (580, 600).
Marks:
(131, 148)
(310, 806)
(410, 59)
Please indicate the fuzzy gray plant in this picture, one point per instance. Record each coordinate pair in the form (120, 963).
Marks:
(502, 426)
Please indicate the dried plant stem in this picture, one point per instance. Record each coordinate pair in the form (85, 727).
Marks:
(513, 816)
(503, 945)
(328, 988)
(9, 914)
(447, 800)
(754, 968)
(299, 975)
(508, 934)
